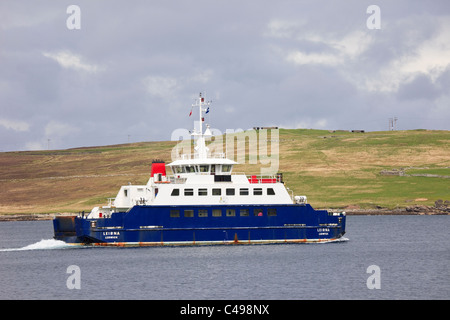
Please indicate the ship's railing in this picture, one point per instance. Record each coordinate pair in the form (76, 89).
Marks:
(173, 179)
(251, 178)
(111, 201)
(188, 156)
(265, 179)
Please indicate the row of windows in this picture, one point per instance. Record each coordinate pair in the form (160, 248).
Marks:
(201, 168)
(203, 213)
(228, 192)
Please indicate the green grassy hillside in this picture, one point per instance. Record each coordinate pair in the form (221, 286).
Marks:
(341, 169)
(334, 169)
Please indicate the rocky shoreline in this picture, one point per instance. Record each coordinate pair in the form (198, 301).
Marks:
(411, 210)
(32, 216)
(440, 208)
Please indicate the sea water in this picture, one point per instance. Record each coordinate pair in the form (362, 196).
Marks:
(381, 257)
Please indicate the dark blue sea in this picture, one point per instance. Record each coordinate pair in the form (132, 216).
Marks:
(399, 257)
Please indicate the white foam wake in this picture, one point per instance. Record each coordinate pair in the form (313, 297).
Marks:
(48, 244)
(341, 239)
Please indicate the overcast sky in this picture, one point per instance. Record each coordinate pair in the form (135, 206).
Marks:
(133, 69)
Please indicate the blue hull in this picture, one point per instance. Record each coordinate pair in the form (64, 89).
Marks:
(204, 225)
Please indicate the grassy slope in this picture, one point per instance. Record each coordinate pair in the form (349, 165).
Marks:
(340, 169)
(333, 169)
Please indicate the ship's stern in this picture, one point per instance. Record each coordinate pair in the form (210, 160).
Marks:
(64, 229)
(70, 229)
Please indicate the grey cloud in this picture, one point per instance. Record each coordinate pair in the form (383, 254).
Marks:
(287, 63)
(421, 87)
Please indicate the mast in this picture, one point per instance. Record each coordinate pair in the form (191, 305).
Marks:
(200, 113)
(201, 148)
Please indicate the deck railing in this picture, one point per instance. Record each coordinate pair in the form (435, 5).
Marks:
(264, 179)
(188, 156)
(251, 178)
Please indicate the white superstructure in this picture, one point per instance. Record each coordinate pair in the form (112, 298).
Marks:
(200, 179)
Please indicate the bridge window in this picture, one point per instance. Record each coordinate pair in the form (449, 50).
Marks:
(226, 168)
(188, 192)
(175, 192)
(204, 168)
(179, 169)
(216, 192)
(202, 192)
(270, 192)
(190, 169)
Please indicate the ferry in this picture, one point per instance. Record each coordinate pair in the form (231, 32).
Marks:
(201, 201)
